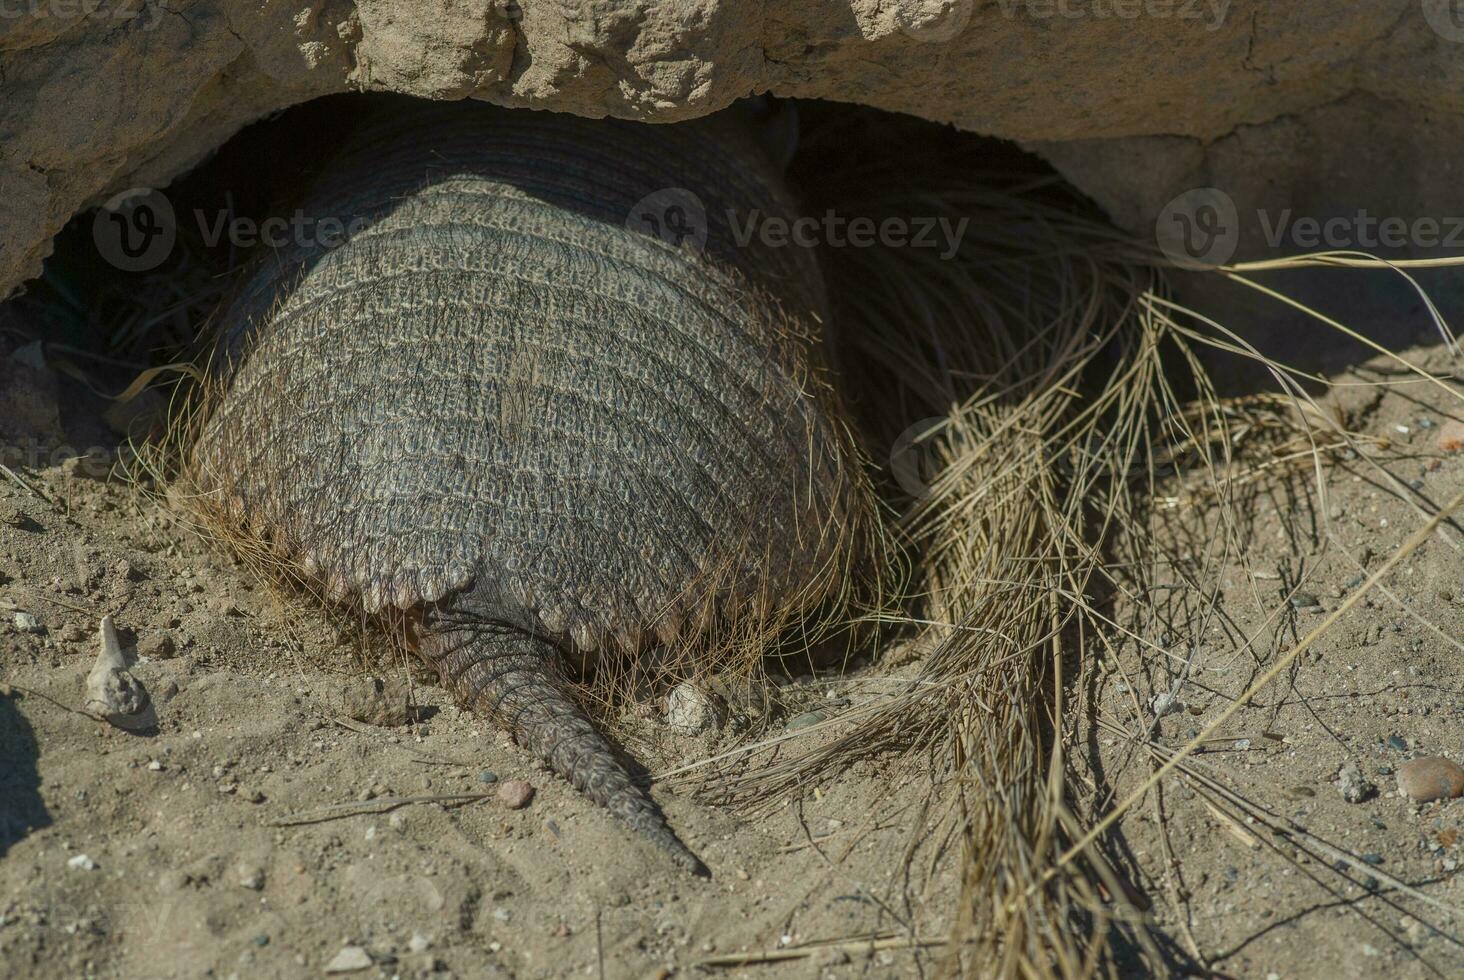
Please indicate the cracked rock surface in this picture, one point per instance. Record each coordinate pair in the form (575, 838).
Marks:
(1309, 103)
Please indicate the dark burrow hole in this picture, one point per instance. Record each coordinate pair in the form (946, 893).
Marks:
(122, 292)
(129, 292)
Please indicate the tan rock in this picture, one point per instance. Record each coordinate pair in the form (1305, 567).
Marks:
(377, 701)
(1430, 778)
(515, 793)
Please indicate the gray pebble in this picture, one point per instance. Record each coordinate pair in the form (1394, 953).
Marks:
(805, 720)
(1353, 785)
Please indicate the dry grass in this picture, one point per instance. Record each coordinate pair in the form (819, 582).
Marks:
(1052, 425)
(1055, 424)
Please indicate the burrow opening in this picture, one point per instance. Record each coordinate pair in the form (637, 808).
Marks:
(116, 300)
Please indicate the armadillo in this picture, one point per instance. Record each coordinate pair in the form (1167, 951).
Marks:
(543, 397)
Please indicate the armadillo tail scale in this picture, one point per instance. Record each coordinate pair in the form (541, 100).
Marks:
(508, 675)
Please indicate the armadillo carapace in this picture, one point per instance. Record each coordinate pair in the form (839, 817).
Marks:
(525, 402)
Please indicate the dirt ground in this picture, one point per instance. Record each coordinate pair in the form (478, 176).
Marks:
(1381, 686)
(170, 853)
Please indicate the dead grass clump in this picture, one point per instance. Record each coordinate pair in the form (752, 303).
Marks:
(1046, 423)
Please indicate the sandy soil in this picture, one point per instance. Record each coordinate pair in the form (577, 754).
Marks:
(160, 855)
(167, 853)
(1380, 687)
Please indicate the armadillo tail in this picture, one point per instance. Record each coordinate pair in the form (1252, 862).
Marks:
(507, 674)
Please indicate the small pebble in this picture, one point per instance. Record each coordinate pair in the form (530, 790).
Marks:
(1353, 785)
(250, 877)
(26, 623)
(1163, 704)
(690, 709)
(1430, 778)
(805, 720)
(418, 943)
(515, 793)
(1372, 857)
(377, 700)
(349, 960)
(157, 646)
(1398, 743)
(487, 776)
(82, 863)
(1451, 436)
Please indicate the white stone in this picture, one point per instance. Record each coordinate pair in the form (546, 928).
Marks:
(690, 709)
(349, 960)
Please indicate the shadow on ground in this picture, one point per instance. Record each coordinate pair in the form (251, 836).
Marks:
(21, 807)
